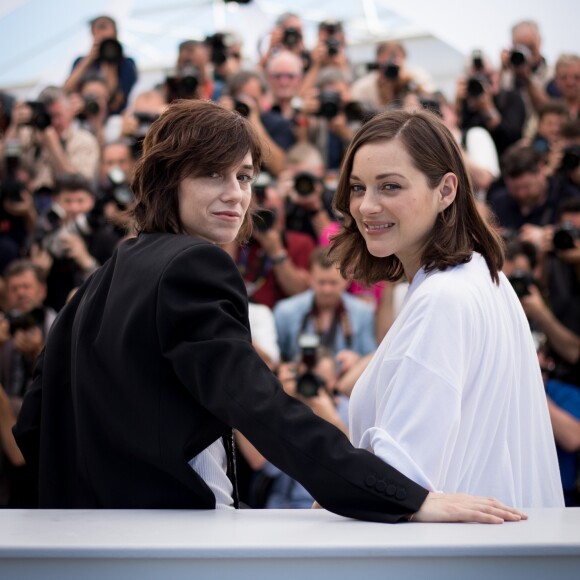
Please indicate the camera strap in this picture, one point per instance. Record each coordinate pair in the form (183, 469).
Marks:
(328, 338)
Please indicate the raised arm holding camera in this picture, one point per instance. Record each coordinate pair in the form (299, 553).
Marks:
(106, 56)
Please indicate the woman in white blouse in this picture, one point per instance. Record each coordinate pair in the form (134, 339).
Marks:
(453, 397)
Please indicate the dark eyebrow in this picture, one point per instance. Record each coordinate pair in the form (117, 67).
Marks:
(248, 167)
(380, 176)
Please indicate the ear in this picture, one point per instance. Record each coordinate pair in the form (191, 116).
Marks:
(447, 190)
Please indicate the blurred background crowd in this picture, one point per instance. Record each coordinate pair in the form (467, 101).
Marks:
(68, 152)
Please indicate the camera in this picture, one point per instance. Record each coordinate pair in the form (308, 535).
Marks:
(91, 107)
(541, 144)
(118, 190)
(521, 282)
(291, 37)
(136, 140)
(333, 46)
(565, 236)
(329, 104)
(570, 158)
(24, 320)
(355, 111)
(519, 55)
(264, 219)
(40, 118)
(391, 70)
(53, 243)
(219, 44)
(242, 108)
(305, 183)
(184, 84)
(476, 85)
(111, 51)
(308, 383)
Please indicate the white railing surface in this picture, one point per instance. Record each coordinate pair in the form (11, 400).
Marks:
(280, 545)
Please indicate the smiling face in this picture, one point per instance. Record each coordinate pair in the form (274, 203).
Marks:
(213, 206)
(394, 206)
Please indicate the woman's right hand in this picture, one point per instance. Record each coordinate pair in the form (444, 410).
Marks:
(461, 507)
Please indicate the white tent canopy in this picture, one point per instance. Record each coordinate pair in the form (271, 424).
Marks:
(41, 39)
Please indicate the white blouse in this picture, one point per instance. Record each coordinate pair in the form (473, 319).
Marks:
(454, 398)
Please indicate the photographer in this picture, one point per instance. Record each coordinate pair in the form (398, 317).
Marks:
(529, 197)
(274, 264)
(23, 330)
(562, 275)
(567, 82)
(106, 57)
(191, 79)
(329, 52)
(18, 213)
(73, 239)
(51, 144)
(247, 93)
(341, 321)
(331, 116)
(226, 59)
(114, 194)
(524, 69)
(390, 78)
(287, 35)
(312, 383)
(308, 202)
(137, 119)
(481, 102)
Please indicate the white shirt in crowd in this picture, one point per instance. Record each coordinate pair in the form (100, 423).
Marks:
(454, 398)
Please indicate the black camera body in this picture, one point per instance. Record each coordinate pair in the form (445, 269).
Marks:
(565, 236)
(333, 46)
(40, 118)
(184, 84)
(264, 219)
(91, 107)
(25, 320)
(477, 60)
(570, 158)
(330, 104)
(519, 55)
(219, 43)
(308, 383)
(521, 282)
(391, 71)
(110, 51)
(291, 37)
(476, 86)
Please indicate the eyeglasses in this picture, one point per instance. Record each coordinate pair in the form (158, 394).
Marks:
(282, 75)
(235, 55)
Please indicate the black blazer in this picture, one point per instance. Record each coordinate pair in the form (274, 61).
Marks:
(151, 362)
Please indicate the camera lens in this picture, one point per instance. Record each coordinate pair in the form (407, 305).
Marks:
(520, 281)
(263, 219)
(475, 87)
(304, 183)
(564, 236)
(308, 384)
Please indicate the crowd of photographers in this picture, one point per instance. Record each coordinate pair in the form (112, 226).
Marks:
(67, 161)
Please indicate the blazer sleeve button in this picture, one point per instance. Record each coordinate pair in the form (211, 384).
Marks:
(391, 489)
(401, 494)
(370, 480)
(381, 486)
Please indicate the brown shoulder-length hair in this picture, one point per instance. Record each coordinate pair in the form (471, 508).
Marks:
(459, 229)
(191, 138)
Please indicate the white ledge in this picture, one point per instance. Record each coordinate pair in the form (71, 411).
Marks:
(278, 543)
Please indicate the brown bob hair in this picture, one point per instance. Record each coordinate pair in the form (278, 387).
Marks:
(191, 138)
(459, 229)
